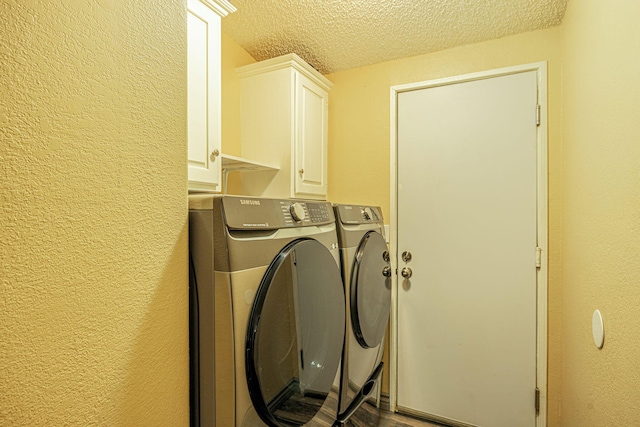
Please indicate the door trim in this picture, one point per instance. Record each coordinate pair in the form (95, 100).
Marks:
(542, 222)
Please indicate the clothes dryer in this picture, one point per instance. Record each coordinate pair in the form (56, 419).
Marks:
(278, 310)
(366, 274)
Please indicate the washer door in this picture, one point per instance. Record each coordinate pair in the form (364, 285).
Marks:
(295, 334)
(370, 290)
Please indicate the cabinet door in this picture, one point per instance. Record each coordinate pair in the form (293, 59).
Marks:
(203, 105)
(310, 164)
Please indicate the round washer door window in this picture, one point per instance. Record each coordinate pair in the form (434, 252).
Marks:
(370, 291)
(295, 334)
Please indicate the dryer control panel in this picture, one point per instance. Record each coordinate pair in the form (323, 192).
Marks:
(356, 214)
(249, 213)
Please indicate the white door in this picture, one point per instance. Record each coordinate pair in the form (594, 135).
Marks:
(467, 213)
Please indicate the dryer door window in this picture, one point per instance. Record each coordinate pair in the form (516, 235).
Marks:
(295, 334)
(370, 291)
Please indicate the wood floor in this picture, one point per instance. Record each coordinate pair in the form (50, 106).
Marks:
(367, 416)
(389, 419)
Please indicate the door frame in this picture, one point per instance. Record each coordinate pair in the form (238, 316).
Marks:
(542, 221)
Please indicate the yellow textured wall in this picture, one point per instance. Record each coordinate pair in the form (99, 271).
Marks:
(93, 251)
(601, 262)
(359, 142)
(233, 56)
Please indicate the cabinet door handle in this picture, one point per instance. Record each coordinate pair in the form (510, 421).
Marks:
(301, 172)
(215, 153)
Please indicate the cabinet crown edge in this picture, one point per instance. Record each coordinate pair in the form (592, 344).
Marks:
(221, 7)
(290, 60)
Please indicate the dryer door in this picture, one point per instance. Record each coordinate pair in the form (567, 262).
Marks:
(295, 334)
(370, 290)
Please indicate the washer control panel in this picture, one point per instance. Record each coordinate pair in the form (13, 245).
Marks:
(306, 213)
(257, 213)
(320, 212)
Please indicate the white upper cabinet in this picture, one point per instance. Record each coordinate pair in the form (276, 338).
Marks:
(203, 94)
(284, 111)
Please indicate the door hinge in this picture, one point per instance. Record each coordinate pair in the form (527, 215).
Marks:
(538, 115)
(537, 402)
(538, 257)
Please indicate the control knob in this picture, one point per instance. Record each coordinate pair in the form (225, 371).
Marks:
(297, 212)
(367, 214)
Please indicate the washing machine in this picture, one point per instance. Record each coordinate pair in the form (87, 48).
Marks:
(366, 272)
(275, 320)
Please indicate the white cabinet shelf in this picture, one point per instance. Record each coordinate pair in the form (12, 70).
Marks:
(233, 163)
(238, 164)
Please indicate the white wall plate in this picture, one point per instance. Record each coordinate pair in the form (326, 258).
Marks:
(598, 329)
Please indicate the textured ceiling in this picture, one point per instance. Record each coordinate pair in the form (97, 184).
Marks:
(336, 35)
